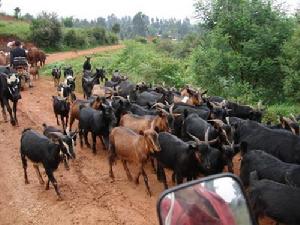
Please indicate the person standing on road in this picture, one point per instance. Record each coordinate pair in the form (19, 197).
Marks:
(87, 64)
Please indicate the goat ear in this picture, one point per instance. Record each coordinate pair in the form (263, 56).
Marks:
(244, 147)
(141, 132)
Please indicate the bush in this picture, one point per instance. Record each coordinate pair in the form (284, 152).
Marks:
(74, 39)
(99, 34)
(141, 40)
(46, 30)
(111, 38)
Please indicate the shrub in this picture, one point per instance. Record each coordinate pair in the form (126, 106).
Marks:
(46, 30)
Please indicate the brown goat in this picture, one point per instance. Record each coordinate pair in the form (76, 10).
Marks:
(142, 123)
(75, 108)
(34, 71)
(129, 146)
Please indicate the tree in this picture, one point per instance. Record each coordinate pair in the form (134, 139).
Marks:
(17, 12)
(68, 21)
(116, 28)
(290, 65)
(241, 48)
(140, 24)
(46, 30)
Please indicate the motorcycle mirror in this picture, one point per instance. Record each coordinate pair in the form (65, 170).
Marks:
(214, 200)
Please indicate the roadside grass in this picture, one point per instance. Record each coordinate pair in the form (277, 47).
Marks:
(18, 29)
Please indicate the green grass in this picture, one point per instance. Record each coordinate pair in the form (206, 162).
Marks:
(285, 109)
(16, 28)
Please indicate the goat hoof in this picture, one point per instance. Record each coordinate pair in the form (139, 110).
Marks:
(59, 198)
(26, 182)
(47, 188)
(136, 182)
(13, 122)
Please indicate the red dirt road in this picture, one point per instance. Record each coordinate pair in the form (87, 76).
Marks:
(55, 57)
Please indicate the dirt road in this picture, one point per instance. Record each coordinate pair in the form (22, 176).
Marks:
(55, 57)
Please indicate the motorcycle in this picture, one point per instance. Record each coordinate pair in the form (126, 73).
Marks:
(214, 200)
(20, 66)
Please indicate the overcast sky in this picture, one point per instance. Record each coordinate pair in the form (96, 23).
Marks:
(91, 9)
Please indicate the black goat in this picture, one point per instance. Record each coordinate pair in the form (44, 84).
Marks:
(98, 122)
(40, 149)
(9, 91)
(267, 167)
(61, 107)
(275, 200)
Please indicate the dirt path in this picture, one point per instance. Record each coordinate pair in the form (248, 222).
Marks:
(55, 57)
(89, 195)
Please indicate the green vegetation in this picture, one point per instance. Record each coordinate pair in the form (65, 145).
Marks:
(18, 29)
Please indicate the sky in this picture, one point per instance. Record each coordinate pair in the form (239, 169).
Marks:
(91, 9)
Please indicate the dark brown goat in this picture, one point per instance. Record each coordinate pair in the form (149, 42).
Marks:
(129, 146)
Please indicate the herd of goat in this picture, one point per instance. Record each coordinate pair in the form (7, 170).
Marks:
(185, 131)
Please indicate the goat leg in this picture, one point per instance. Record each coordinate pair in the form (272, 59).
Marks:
(94, 142)
(85, 134)
(63, 122)
(49, 172)
(127, 170)
(146, 181)
(80, 138)
(47, 185)
(111, 158)
(6, 103)
(24, 163)
(15, 112)
(152, 160)
(161, 175)
(57, 119)
(66, 163)
(38, 173)
(3, 111)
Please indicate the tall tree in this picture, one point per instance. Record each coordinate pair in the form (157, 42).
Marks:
(68, 21)
(140, 24)
(242, 46)
(116, 28)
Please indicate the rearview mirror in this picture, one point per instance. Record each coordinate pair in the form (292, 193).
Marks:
(214, 200)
